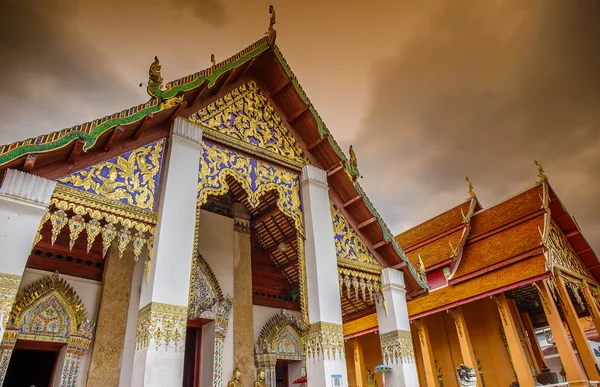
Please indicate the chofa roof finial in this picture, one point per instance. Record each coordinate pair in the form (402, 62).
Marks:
(471, 192)
(541, 174)
(271, 33)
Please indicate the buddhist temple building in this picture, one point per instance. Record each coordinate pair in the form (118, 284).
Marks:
(214, 231)
(217, 235)
(513, 296)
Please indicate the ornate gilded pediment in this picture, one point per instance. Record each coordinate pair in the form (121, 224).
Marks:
(245, 119)
(131, 178)
(348, 244)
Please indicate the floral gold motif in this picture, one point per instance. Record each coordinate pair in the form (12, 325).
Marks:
(397, 347)
(161, 326)
(246, 117)
(562, 254)
(131, 178)
(325, 339)
(255, 177)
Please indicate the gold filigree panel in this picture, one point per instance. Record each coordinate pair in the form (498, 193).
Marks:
(325, 339)
(245, 118)
(131, 178)
(397, 347)
(562, 254)
(162, 326)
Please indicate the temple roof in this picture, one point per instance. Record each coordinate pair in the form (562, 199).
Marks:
(60, 153)
(504, 249)
(440, 239)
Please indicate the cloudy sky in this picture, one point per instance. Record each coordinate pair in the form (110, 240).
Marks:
(427, 91)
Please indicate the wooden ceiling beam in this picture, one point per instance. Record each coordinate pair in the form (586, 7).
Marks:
(113, 138)
(246, 67)
(351, 201)
(380, 244)
(336, 169)
(29, 163)
(281, 87)
(176, 113)
(269, 211)
(314, 144)
(572, 234)
(74, 156)
(289, 264)
(143, 126)
(202, 88)
(298, 114)
(366, 223)
(286, 240)
(400, 266)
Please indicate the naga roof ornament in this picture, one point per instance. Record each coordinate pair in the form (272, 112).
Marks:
(271, 33)
(472, 193)
(155, 80)
(541, 174)
(352, 165)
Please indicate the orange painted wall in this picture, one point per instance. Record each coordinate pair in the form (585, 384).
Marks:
(483, 324)
(371, 347)
(418, 356)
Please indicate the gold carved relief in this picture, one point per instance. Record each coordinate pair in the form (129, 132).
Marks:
(397, 347)
(245, 119)
(325, 339)
(561, 253)
(161, 326)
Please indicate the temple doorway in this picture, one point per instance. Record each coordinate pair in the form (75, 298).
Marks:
(31, 367)
(281, 374)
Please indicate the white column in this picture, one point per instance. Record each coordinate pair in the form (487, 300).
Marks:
(325, 340)
(24, 200)
(394, 331)
(162, 318)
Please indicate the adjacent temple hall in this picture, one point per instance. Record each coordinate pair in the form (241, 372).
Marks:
(217, 235)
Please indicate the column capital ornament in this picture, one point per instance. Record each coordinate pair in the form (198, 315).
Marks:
(397, 347)
(186, 129)
(161, 325)
(22, 185)
(325, 339)
(314, 174)
(392, 277)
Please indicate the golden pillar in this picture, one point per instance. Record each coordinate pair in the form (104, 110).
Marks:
(592, 306)
(535, 345)
(574, 372)
(577, 332)
(427, 351)
(243, 333)
(105, 365)
(526, 344)
(517, 353)
(359, 363)
(464, 340)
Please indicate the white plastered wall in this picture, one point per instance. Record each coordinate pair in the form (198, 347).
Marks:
(215, 244)
(89, 292)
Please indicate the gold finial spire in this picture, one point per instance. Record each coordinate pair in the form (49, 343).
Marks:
(271, 33)
(471, 192)
(541, 174)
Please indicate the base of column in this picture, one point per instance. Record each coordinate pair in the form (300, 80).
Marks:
(158, 369)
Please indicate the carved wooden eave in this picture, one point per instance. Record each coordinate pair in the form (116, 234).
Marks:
(129, 129)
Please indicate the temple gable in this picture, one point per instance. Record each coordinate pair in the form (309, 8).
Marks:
(245, 118)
